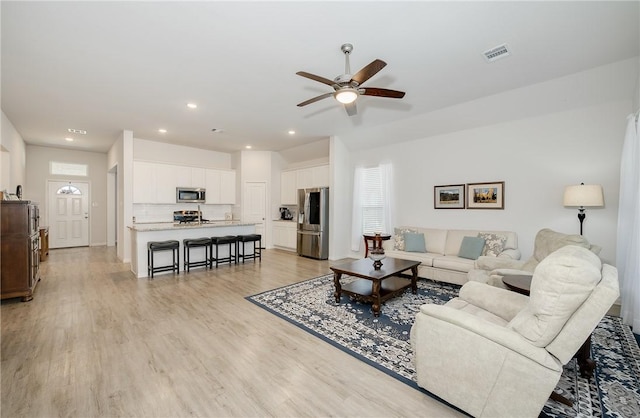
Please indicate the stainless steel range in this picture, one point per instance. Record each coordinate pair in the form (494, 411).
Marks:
(189, 217)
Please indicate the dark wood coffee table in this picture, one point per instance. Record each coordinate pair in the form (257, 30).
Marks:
(375, 286)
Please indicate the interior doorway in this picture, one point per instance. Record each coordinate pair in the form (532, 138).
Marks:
(68, 213)
(254, 206)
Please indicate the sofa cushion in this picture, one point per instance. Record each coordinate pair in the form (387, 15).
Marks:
(560, 284)
(398, 237)
(471, 247)
(414, 242)
(425, 258)
(451, 262)
(494, 243)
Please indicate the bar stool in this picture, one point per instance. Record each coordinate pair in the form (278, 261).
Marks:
(153, 247)
(257, 247)
(190, 243)
(229, 240)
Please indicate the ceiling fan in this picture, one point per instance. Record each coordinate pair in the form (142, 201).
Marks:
(348, 87)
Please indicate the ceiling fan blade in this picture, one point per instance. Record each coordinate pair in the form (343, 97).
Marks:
(373, 91)
(351, 108)
(315, 99)
(316, 78)
(368, 71)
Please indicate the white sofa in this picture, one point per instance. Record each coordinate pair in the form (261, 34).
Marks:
(441, 262)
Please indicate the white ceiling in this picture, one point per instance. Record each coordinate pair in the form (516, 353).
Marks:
(108, 66)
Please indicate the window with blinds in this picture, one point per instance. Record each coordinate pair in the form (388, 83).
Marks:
(372, 202)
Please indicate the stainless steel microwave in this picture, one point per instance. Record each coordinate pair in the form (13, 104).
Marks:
(190, 195)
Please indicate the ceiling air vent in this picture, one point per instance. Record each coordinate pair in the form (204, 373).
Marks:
(496, 53)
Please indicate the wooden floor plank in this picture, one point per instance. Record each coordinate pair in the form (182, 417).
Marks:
(95, 341)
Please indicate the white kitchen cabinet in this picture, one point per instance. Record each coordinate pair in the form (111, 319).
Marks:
(169, 177)
(228, 187)
(304, 178)
(320, 176)
(221, 186)
(198, 177)
(284, 234)
(144, 182)
(288, 188)
(157, 182)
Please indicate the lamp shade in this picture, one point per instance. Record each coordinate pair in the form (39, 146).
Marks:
(584, 195)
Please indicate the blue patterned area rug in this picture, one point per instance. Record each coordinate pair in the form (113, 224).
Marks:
(383, 342)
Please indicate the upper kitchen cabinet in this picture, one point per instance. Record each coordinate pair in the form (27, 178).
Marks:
(303, 178)
(156, 183)
(170, 176)
(288, 188)
(221, 186)
(144, 182)
(320, 176)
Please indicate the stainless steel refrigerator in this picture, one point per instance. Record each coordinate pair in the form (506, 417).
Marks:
(313, 223)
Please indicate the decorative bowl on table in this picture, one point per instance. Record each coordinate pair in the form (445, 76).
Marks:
(377, 255)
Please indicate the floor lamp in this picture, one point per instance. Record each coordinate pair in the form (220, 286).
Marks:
(583, 196)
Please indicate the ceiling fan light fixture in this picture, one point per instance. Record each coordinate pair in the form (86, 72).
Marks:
(346, 96)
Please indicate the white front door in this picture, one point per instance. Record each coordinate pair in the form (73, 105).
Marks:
(68, 209)
(255, 203)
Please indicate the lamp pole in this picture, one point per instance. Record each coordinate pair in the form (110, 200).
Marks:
(581, 216)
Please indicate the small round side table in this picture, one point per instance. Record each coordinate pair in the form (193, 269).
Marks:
(372, 241)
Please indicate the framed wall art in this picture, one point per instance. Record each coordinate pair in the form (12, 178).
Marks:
(448, 197)
(485, 195)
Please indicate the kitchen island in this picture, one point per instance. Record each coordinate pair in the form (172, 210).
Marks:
(142, 233)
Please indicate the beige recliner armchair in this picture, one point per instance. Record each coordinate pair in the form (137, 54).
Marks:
(492, 352)
(491, 269)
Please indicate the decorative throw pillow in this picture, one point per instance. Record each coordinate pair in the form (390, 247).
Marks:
(471, 247)
(493, 243)
(414, 242)
(398, 237)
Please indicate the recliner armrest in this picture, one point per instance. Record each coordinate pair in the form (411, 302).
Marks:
(501, 302)
(510, 253)
(456, 320)
(491, 263)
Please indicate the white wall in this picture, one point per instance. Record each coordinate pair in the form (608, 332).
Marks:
(535, 156)
(39, 159)
(178, 154)
(120, 160)
(340, 194)
(13, 148)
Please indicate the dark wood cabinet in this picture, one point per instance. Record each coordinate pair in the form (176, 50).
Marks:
(44, 243)
(20, 249)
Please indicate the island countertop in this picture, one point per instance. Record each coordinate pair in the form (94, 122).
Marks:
(142, 233)
(171, 226)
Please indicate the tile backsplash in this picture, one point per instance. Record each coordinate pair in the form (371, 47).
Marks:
(143, 213)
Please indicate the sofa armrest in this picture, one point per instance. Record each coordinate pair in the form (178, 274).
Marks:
(501, 302)
(451, 320)
(491, 263)
(512, 254)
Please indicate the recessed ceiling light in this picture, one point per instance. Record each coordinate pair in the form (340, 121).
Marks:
(292, 132)
(69, 139)
(248, 147)
(162, 131)
(192, 105)
(77, 131)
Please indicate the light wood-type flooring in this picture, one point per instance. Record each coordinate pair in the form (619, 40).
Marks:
(97, 342)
